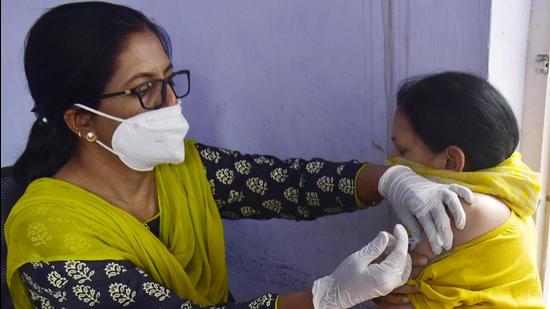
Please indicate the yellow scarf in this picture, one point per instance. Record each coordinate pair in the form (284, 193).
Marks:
(512, 181)
(55, 220)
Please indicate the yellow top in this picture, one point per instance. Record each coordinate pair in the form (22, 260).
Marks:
(55, 220)
(497, 269)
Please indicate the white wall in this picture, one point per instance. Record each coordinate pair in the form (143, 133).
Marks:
(508, 50)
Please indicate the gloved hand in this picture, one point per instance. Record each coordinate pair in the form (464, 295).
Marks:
(356, 280)
(415, 197)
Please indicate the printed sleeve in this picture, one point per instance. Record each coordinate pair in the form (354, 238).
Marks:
(264, 187)
(107, 284)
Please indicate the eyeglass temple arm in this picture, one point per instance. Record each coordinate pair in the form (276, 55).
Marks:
(113, 94)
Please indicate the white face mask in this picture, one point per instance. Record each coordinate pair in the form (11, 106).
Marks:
(148, 139)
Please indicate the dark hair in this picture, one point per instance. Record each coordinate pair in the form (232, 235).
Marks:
(70, 55)
(454, 108)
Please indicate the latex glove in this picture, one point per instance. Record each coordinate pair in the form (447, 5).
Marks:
(356, 280)
(416, 199)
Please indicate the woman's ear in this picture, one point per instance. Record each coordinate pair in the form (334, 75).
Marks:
(454, 159)
(79, 121)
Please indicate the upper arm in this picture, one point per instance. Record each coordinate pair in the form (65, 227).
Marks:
(264, 187)
(484, 215)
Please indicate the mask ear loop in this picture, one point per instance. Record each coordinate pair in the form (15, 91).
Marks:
(91, 110)
(95, 111)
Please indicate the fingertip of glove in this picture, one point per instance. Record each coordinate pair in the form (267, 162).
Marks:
(437, 250)
(379, 243)
(463, 192)
(384, 237)
(400, 232)
(469, 197)
(439, 240)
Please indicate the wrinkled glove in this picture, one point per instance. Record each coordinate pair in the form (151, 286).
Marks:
(416, 199)
(356, 280)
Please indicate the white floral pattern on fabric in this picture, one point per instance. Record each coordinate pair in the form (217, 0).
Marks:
(260, 302)
(235, 196)
(221, 203)
(226, 151)
(28, 280)
(156, 290)
(346, 186)
(210, 155)
(295, 164)
(273, 205)
(264, 160)
(212, 186)
(304, 212)
(257, 185)
(122, 294)
(313, 185)
(225, 176)
(291, 194)
(44, 302)
(326, 183)
(37, 264)
(142, 272)
(61, 296)
(79, 271)
(312, 199)
(248, 211)
(244, 167)
(39, 261)
(314, 167)
(114, 269)
(279, 174)
(56, 279)
(86, 294)
(129, 287)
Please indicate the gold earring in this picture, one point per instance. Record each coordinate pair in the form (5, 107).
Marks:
(79, 134)
(90, 137)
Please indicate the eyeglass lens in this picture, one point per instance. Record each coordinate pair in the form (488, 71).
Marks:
(153, 95)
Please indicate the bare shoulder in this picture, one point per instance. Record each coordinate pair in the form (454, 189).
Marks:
(485, 214)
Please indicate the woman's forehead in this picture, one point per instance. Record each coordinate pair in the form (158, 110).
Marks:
(141, 53)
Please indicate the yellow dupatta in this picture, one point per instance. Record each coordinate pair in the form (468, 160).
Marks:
(55, 220)
(497, 269)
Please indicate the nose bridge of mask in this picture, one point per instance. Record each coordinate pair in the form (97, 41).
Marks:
(164, 115)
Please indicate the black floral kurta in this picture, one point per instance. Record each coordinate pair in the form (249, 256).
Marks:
(243, 186)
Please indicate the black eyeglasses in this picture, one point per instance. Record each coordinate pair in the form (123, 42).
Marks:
(152, 93)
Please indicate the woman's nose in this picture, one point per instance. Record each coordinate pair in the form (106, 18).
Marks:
(170, 97)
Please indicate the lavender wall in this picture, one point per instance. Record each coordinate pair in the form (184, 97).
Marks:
(289, 78)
